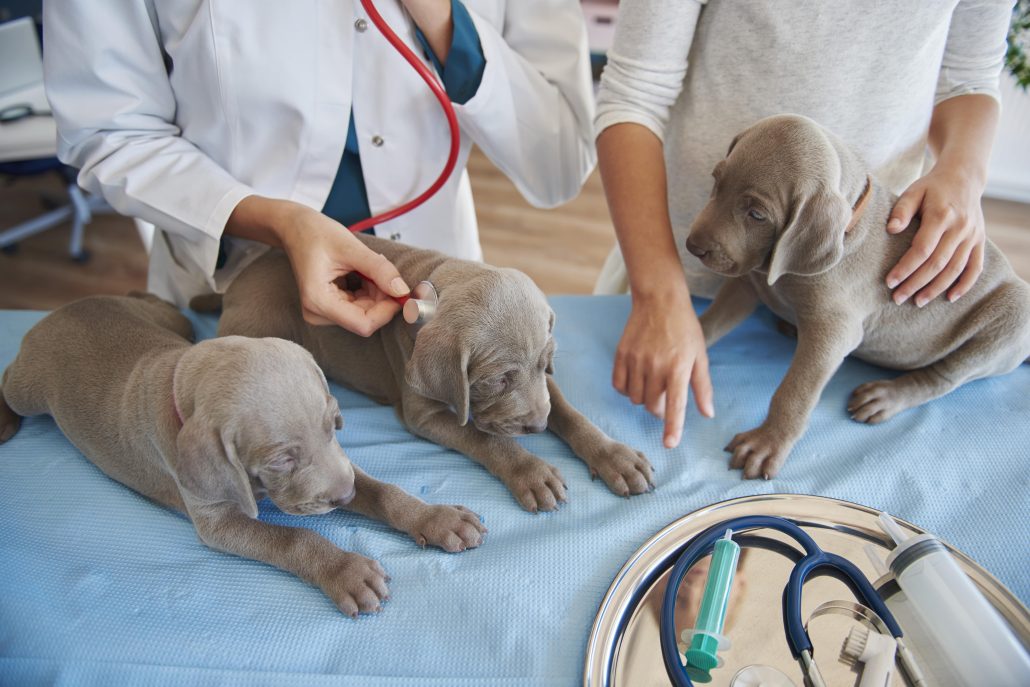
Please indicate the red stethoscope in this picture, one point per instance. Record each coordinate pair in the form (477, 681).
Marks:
(420, 305)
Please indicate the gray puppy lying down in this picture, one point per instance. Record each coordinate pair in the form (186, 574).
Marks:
(209, 430)
(799, 223)
(474, 377)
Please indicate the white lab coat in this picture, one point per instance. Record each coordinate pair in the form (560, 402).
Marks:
(176, 110)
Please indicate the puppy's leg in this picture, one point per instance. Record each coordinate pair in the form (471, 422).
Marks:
(355, 584)
(536, 485)
(452, 528)
(625, 470)
(982, 356)
(821, 349)
(9, 420)
(732, 305)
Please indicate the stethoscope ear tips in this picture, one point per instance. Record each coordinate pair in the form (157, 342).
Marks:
(421, 307)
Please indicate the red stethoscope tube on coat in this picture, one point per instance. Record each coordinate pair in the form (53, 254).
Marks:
(423, 298)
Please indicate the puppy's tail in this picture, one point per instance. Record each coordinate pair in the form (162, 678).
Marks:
(208, 302)
(10, 421)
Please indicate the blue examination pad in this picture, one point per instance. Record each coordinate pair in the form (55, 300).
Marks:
(101, 587)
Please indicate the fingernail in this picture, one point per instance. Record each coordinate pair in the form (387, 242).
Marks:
(895, 223)
(921, 301)
(952, 297)
(900, 298)
(398, 286)
(892, 282)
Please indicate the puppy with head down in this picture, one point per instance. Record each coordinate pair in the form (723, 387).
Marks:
(473, 378)
(212, 428)
(798, 223)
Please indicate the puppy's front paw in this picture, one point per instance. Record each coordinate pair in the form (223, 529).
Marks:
(356, 584)
(875, 402)
(760, 452)
(452, 528)
(9, 421)
(625, 470)
(536, 485)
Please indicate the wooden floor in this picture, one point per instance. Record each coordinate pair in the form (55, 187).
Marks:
(562, 249)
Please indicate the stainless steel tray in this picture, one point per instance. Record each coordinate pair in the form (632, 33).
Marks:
(624, 647)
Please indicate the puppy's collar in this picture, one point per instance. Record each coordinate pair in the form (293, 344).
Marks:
(859, 207)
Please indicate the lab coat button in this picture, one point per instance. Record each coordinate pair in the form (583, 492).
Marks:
(395, 236)
(361, 25)
(377, 140)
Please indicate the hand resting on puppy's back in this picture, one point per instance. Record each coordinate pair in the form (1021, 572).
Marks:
(797, 222)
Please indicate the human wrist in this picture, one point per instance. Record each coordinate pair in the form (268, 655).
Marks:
(267, 220)
(969, 169)
(659, 290)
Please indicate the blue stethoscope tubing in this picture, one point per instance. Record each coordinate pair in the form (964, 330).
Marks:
(794, 628)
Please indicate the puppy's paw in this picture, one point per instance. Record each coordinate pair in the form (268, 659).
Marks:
(759, 452)
(9, 421)
(452, 528)
(876, 402)
(536, 485)
(356, 584)
(626, 471)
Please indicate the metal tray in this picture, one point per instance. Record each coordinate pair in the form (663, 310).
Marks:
(624, 647)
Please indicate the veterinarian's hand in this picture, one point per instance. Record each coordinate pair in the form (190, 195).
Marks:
(322, 251)
(661, 354)
(948, 249)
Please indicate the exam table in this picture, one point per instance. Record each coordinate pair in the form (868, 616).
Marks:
(98, 586)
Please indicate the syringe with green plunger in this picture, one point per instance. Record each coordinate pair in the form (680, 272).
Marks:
(706, 639)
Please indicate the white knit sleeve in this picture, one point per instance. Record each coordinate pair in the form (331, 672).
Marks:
(975, 51)
(647, 64)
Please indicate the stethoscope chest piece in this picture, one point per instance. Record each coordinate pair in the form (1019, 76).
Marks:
(421, 307)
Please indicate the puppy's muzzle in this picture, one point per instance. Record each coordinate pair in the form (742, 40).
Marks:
(696, 250)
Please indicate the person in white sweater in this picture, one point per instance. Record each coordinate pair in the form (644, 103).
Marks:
(896, 80)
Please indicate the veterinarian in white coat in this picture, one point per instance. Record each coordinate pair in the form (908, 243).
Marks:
(230, 120)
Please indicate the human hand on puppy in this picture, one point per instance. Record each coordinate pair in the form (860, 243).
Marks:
(947, 252)
(661, 354)
(321, 251)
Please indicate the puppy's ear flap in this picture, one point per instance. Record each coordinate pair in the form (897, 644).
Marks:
(549, 369)
(733, 143)
(438, 368)
(208, 470)
(813, 240)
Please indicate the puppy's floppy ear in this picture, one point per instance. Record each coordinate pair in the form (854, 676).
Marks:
(549, 369)
(207, 468)
(438, 368)
(733, 143)
(813, 239)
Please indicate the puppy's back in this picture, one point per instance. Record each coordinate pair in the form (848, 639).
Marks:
(79, 357)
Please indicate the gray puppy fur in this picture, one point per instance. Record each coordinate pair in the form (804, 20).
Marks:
(778, 222)
(476, 375)
(118, 373)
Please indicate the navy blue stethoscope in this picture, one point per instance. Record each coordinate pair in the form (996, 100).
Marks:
(815, 559)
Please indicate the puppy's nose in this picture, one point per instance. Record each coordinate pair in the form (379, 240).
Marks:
(695, 249)
(534, 428)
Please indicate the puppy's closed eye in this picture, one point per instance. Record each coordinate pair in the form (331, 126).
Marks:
(495, 384)
(282, 463)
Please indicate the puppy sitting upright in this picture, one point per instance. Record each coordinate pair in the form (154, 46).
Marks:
(210, 429)
(799, 223)
(476, 375)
